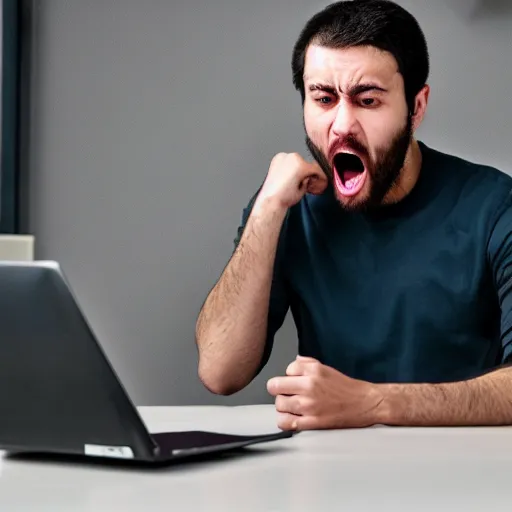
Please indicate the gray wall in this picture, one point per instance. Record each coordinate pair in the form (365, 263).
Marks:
(152, 123)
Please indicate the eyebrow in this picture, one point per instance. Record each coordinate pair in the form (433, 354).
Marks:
(353, 91)
(321, 87)
(360, 88)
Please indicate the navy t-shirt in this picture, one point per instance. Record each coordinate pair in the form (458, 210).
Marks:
(419, 291)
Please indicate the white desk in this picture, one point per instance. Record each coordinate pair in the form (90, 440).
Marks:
(378, 469)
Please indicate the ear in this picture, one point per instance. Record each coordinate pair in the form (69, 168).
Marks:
(420, 107)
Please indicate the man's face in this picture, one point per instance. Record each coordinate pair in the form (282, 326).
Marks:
(357, 122)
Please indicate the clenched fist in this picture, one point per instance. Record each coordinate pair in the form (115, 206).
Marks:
(290, 177)
(313, 396)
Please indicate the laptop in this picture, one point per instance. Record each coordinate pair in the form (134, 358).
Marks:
(60, 395)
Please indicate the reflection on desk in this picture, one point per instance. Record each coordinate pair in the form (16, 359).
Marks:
(379, 468)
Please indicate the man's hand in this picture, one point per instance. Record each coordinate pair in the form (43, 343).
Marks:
(313, 396)
(290, 177)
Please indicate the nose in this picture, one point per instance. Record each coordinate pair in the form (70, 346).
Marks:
(345, 120)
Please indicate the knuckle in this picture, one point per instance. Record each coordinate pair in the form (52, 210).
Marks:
(277, 158)
(292, 368)
(298, 405)
(309, 385)
(307, 406)
(296, 158)
(314, 382)
(316, 369)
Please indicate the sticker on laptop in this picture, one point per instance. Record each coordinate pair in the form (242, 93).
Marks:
(118, 452)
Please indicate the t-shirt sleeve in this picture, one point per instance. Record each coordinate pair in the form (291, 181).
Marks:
(500, 257)
(279, 298)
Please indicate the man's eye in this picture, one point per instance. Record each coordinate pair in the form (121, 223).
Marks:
(325, 100)
(368, 102)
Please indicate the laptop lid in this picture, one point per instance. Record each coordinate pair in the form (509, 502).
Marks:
(58, 391)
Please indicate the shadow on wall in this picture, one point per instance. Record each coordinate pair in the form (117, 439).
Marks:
(492, 9)
(481, 9)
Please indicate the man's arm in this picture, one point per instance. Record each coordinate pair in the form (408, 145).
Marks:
(316, 396)
(232, 325)
(485, 400)
(232, 330)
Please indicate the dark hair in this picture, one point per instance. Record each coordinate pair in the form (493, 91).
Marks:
(379, 23)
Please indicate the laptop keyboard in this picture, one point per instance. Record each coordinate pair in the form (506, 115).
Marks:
(169, 441)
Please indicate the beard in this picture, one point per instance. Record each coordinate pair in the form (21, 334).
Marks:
(384, 170)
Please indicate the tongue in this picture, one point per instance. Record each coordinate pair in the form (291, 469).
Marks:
(350, 178)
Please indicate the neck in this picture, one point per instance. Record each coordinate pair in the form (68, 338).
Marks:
(408, 175)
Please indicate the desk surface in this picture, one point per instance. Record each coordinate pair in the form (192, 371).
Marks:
(380, 468)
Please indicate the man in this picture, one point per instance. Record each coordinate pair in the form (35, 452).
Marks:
(394, 259)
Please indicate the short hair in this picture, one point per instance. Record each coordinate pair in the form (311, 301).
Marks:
(379, 23)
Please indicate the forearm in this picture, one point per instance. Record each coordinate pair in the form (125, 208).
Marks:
(231, 327)
(486, 400)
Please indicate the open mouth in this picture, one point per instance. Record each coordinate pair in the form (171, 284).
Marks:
(350, 173)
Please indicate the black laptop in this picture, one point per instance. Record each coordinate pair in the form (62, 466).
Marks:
(58, 391)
